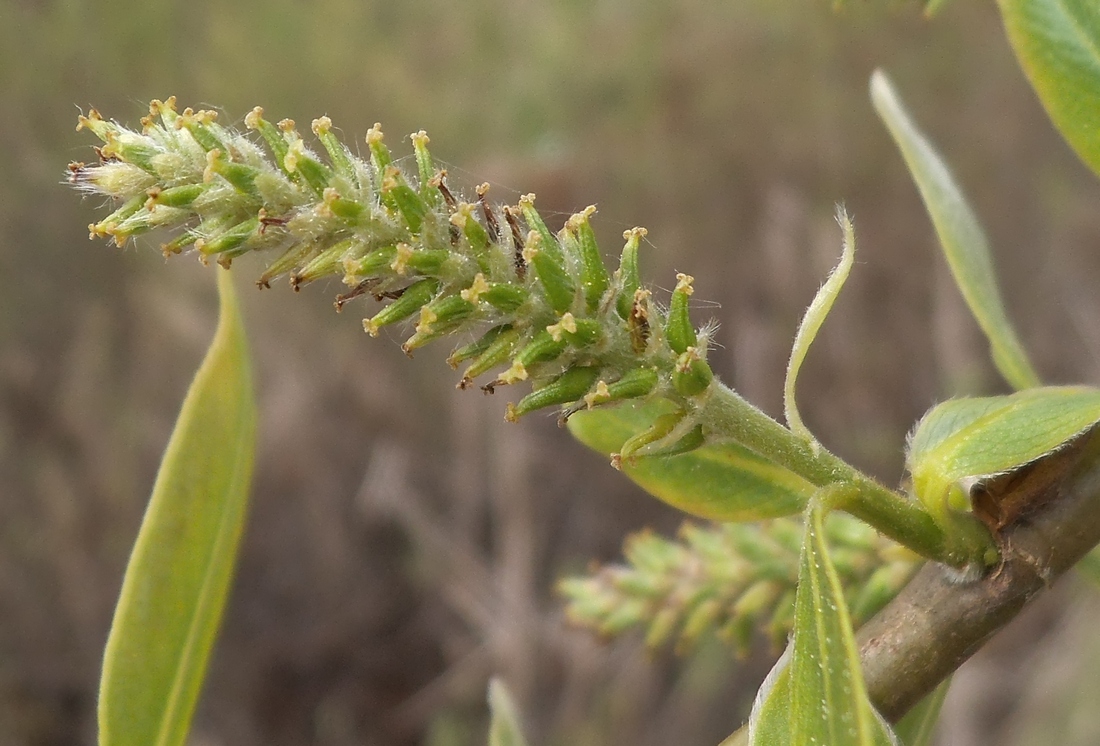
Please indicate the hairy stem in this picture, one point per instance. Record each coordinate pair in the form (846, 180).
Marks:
(903, 520)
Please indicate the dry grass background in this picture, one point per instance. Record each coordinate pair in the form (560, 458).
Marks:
(404, 540)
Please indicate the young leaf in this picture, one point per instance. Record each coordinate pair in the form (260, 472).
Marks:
(971, 439)
(504, 729)
(812, 321)
(1058, 45)
(816, 693)
(919, 724)
(964, 243)
(720, 482)
(180, 570)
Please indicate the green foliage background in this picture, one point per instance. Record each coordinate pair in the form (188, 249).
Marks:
(404, 540)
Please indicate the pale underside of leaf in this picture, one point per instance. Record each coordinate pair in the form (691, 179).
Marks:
(812, 321)
(961, 236)
(180, 570)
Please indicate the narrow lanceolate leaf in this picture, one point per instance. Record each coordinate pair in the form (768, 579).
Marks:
(504, 729)
(816, 693)
(919, 724)
(1058, 45)
(812, 321)
(720, 482)
(964, 242)
(965, 440)
(180, 570)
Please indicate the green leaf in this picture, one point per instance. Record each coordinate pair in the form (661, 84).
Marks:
(816, 693)
(504, 728)
(720, 482)
(1058, 44)
(919, 724)
(812, 321)
(972, 439)
(961, 236)
(180, 570)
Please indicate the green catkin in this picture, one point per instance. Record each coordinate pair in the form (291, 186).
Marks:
(536, 304)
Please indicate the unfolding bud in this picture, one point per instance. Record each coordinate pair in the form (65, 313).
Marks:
(299, 160)
(628, 281)
(338, 155)
(272, 136)
(678, 329)
(178, 196)
(415, 296)
(296, 256)
(329, 261)
(542, 348)
(109, 224)
(476, 235)
(242, 177)
(372, 265)
(409, 204)
(692, 375)
(230, 240)
(499, 350)
(438, 318)
(549, 263)
(565, 389)
(594, 277)
(379, 154)
(350, 210)
(419, 261)
(477, 347)
(633, 384)
(424, 166)
(201, 126)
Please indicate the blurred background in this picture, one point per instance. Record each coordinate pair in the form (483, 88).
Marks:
(404, 541)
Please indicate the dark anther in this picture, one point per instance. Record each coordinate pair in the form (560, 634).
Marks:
(265, 221)
(360, 289)
(389, 294)
(440, 182)
(490, 219)
(517, 240)
(104, 158)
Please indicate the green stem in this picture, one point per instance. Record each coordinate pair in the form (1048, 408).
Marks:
(727, 414)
